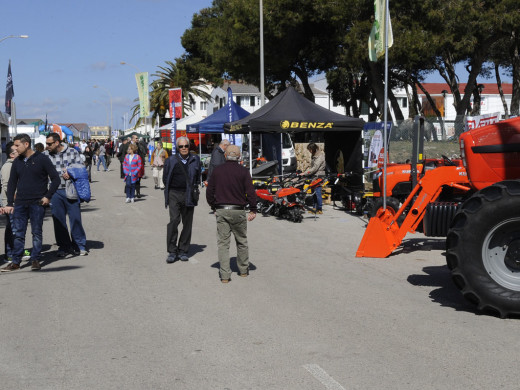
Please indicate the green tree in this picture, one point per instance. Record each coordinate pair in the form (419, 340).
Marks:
(300, 39)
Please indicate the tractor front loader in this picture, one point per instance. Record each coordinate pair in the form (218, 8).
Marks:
(477, 207)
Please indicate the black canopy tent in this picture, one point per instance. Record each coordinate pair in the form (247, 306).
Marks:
(292, 112)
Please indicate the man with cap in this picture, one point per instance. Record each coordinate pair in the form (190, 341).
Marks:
(230, 189)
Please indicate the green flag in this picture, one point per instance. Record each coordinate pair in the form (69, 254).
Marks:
(376, 40)
(142, 88)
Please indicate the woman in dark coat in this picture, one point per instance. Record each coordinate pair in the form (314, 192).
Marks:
(89, 154)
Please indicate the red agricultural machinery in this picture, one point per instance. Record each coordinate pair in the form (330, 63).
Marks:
(477, 207)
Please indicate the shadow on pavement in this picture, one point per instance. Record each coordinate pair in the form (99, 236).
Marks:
(95, 244)
(196, 248)
(233, 265)
(57, 269)
(447, 293)
(420, 244)
(88, 209)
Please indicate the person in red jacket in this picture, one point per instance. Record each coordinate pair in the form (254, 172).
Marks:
(132, 166)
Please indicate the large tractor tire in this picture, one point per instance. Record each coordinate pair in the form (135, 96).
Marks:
(483, 249)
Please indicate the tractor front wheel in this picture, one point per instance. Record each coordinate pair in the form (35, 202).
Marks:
(483, 249)
(392, 205)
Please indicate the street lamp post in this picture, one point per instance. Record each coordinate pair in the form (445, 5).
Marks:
(111, 112)
(133, 66)
(14, 36)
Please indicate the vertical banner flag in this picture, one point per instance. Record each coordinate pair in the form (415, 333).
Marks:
(9, 90)
(230, 111)
(175, 96)
(144, 98)
(376, 40)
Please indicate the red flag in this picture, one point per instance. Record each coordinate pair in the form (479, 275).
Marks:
(175, 95)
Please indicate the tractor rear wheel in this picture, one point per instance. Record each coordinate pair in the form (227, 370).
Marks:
(483, 249)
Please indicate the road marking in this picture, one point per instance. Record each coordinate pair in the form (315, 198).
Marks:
(321, 375)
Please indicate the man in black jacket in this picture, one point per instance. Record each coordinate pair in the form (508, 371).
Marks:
(29, 179)
(181, 177)
(229, 191)
(217, 158)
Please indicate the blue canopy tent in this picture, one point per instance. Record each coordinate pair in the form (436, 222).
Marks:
(215, 122)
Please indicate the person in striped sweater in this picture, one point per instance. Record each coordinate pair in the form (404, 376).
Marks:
(132, 165)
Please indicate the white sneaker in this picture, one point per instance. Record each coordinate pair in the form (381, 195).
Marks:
(127, 200)
(26, 255)
(132, 200)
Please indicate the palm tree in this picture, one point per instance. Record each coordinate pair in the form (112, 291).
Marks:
(173, 75)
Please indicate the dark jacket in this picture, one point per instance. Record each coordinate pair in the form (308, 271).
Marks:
(217, 158)
(88, 156)
(29, 179)
(231, 185)
(122, 152)
(193, 175)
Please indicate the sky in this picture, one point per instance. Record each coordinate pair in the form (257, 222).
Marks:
(76, 44)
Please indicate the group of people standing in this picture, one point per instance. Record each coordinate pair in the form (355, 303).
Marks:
(28, 192)
(229, 191)
(39, 179)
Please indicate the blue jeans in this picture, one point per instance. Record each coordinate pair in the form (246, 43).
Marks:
(318, 200)
(60, 207)
(101, 160)
(130, 188)
(21, 216)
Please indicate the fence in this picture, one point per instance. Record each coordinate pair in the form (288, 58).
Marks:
(441, 138)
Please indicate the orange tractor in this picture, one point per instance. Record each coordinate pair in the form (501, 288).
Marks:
(479, 214)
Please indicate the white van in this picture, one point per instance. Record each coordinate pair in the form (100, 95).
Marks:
(288, 153)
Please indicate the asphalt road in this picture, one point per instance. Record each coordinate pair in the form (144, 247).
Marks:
(309, 316)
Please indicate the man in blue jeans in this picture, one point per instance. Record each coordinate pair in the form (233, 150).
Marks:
(29, 178)
(62, 156)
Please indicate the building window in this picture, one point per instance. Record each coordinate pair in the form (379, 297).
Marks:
(404, 102)
(193, 106)
(222, 102)
(239, 100)
(252, 101)
(203, 106)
